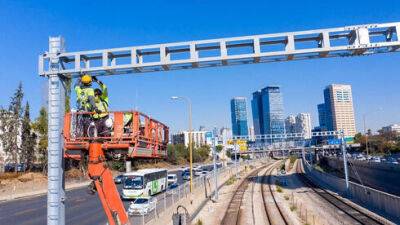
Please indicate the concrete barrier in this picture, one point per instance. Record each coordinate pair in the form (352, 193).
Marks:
(382, 203)
(381, 176)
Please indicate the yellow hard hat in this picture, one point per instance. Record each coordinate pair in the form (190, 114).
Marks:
(86, 79)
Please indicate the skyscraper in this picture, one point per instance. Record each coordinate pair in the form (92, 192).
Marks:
(267, 107)
(290, 124)
(256, 108)
(303, 124)
(239, 116)
(272, 103)
(322, 116)
(339, 109)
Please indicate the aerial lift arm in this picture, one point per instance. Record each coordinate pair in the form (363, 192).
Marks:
(104, 183)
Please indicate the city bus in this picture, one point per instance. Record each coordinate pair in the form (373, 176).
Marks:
(144, 183)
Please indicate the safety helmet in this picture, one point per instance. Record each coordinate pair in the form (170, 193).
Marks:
(109, 122)
(86, 79)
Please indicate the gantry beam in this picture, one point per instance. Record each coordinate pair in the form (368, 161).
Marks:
(287, 135)
(334, 42)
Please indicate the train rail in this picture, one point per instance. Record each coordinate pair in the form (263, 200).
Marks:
(273, 218)
(355, 214)
(232, 214)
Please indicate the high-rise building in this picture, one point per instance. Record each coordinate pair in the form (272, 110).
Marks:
(256, 109)
(252, 136)
(267, 106)
(290, 124)
(303, 124)
(339, 109)
(272, 102)
(322, 119)
(239, 116)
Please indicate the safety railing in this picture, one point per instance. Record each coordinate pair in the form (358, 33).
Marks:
(171, 198)
(129, 133)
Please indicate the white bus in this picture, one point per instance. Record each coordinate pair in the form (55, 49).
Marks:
(144, 183)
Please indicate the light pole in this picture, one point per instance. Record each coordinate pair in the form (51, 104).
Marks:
(215, 169)
(190, 137)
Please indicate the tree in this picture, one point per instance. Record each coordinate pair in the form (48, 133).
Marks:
(40, 127)
(219, 148)
(11, 124)
(28, 139)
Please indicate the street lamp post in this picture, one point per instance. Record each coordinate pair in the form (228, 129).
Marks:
(190, 138)
(215, 170)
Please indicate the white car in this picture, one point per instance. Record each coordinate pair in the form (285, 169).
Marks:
(376, 159)
(172, 179)
(142, 206)
(197, 172)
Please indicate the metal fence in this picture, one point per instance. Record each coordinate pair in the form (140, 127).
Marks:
(169, 199)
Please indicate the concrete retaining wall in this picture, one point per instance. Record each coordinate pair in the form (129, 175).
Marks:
(381, 176)
(382, 203)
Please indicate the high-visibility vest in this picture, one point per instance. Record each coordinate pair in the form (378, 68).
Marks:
(83, 95)
(102, 103)
(102, 106)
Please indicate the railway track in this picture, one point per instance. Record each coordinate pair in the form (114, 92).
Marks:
(271, 209)
(232, 214)
(358, 216)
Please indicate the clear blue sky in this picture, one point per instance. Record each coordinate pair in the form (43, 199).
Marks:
(26, 25)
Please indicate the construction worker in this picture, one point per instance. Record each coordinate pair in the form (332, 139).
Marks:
(86, 103)
(85, 94)
(101, 113)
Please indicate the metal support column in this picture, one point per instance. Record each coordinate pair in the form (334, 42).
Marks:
(55, 166)
(215, 170)
(344, 152)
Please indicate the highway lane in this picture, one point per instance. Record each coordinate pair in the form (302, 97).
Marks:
(81, 208)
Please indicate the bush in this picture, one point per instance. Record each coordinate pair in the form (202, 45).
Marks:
(230, 181)
(179, 154)
(118, 165)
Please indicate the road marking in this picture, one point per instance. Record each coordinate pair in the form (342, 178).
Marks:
(24, 211)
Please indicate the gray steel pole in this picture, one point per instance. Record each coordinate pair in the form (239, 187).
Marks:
(215, 170)
(56, 107)
(236, 168)
(344, 152)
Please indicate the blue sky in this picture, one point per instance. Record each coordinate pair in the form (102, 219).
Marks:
(26, 25)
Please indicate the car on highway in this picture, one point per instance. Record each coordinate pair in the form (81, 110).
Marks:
(375, 159)
(197, 172)
(392, 160)
(118, 179)
(142, 206)
(205, 172)
(172, 179)
(186, 176)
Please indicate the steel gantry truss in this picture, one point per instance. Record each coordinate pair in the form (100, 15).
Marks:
(57, 65)
(334, 42)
